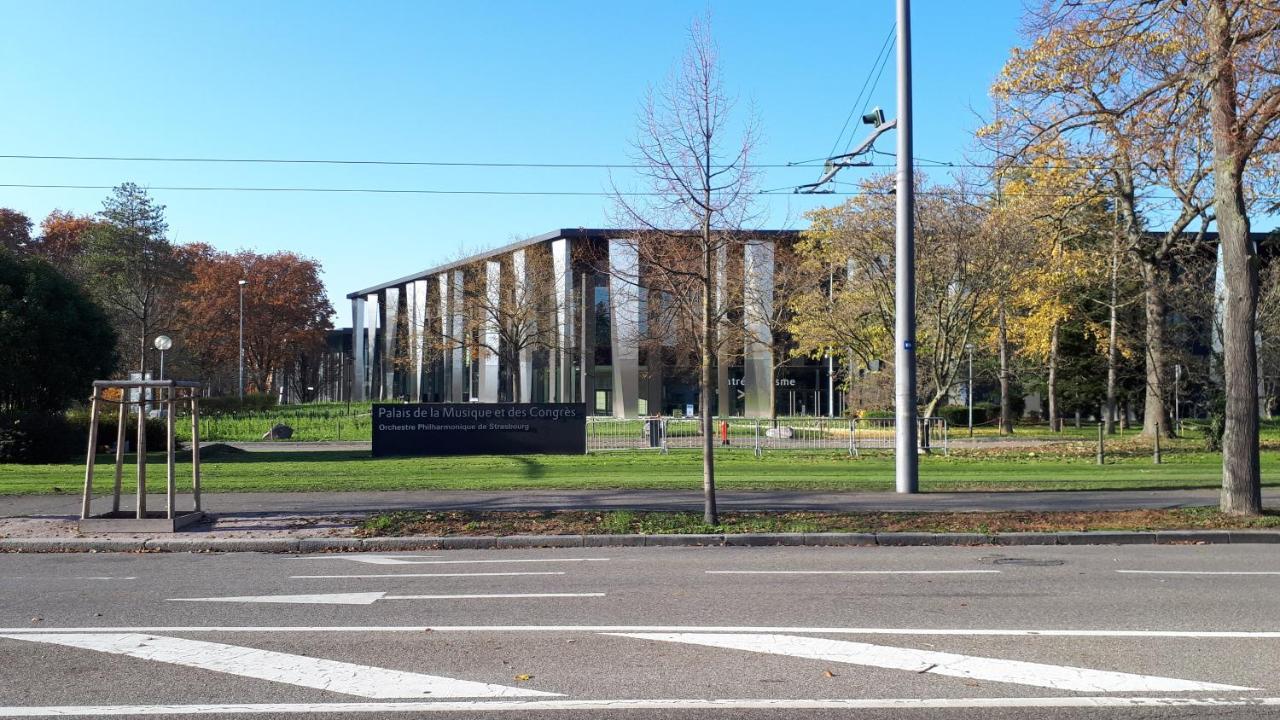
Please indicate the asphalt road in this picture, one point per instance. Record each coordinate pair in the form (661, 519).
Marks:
(1123, 632)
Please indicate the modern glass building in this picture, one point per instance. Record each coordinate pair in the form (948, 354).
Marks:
(566, 317)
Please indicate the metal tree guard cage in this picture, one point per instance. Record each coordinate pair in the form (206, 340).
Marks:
(167, 394)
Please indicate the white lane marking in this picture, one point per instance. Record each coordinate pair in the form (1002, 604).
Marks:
(369, 598)
(925, 632)
(362, 558)
(853, 572)
(1199, 572)
(400, 561)
(91, 577)
(1057, 677)
(493, 595)
(655, 704)
(332, 675)
(425, 575)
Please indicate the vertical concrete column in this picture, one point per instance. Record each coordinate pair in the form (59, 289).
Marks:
(757, 290)
(359, 390)
(418, 336)
(390, 324)
(587, 333)
(371, 346)
(724, 396)
(519, 268)
(408, 340)
(562, 266)
(444, 343)
(624, 309)
(457, 328)
(488, 352)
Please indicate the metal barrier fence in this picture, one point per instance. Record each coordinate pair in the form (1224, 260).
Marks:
(758, 435)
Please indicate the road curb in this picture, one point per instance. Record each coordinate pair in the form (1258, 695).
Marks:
(458, 542)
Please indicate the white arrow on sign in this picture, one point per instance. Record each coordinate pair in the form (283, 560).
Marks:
(369, 598)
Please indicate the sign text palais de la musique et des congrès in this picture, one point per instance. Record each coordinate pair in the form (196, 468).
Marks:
(479, 428)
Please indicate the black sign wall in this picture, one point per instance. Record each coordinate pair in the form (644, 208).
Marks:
(479, 429)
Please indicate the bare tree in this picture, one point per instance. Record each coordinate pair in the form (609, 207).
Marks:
(696, 165)
(509, 309)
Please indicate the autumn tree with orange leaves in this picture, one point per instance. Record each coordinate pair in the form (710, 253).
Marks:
(286, 314)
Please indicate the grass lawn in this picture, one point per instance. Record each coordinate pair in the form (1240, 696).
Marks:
(1068, 468)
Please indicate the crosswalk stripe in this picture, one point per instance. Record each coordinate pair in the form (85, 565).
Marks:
(1059, 677)
(596, 706)
(332, 675)
(918, 632)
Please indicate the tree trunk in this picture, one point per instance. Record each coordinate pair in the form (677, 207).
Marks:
(929, 407)
(142, 350)
(1241, 474)
(1055, 425)
(1109, 411)
(709, 514)
(1006, 407)
(1155, 413)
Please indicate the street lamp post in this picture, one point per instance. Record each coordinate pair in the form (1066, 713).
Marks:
(242, 284)
(969, 390)
(162, 343)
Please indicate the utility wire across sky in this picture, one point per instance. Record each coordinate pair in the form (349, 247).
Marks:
(783, 191)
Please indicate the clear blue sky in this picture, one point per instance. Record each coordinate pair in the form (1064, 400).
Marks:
(451, 81)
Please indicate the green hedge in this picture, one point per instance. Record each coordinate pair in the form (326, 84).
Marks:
(39, 437)
(958, 415)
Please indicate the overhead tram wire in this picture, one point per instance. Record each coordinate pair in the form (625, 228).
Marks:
(481, 164)
(540, 193)
(313, 161)
(884, 60)
(854, 108)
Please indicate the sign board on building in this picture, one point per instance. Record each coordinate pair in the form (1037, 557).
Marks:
(479, 429)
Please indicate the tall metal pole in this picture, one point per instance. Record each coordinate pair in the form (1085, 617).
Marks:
(907, 471)
(831, 363)
(582, 346)
(970, 392)
(242, 284)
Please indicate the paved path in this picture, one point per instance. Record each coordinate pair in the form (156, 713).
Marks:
(347, 502)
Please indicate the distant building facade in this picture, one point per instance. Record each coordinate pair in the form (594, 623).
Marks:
(441, 335)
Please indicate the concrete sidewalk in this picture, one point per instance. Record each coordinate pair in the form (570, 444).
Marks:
(324, 503)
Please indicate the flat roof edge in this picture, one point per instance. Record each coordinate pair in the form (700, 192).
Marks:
(580, 232)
